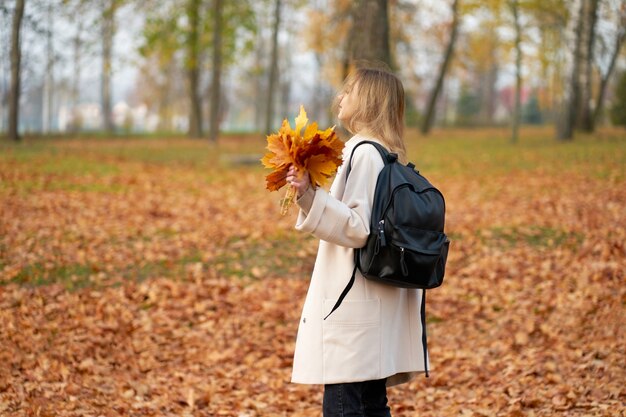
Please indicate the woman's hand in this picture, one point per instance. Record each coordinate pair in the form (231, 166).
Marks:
(298, 179)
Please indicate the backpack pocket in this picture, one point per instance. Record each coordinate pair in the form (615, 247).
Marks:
(420, 255)
(413, 258)
(427, 242)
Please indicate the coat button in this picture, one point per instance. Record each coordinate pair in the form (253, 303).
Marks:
(304, 320)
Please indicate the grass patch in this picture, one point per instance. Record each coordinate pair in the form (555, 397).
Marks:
(65, 184)
(86, 154)
(488, 152)
(446, 152)
(76, 276)
(272, 256)
(77, 165)
(432, 319)
(534, 236)
(175, 269)
(70, 276)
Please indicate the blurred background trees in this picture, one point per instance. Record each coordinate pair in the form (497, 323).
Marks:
(204, 66)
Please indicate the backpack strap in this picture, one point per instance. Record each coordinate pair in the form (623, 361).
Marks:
(424, 341)
(384, 153)
(345, 292)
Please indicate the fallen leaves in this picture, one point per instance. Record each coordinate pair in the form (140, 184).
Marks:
(186, 294)
(209, 347)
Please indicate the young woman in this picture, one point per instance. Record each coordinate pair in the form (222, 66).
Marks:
(373, 340)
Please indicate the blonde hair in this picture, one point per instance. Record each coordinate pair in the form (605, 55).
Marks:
(380, 107)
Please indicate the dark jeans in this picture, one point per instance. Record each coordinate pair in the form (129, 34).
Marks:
(356, 399)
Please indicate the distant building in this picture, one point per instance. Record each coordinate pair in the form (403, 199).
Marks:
(88, 117)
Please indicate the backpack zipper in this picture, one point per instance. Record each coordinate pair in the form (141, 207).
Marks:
(405, 270)
(381, 233)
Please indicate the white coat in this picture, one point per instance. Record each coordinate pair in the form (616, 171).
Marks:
(376, 332)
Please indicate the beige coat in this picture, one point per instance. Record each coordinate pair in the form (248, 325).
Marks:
(376, 332)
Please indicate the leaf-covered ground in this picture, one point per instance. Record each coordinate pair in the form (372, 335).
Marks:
(154, 277)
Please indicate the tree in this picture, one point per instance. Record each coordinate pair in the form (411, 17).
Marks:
(217, 69)
(173, 43)
(551, 18)
(480, 52)
(565, 126)
(257, 73)
(49, 78)
(176, 35)
(76, 8)
(109, 8)
(618, 109)
(429, 115)
(192, 65)
(16, 55)
(468, 107)
(620, 37)
(273, 73)
(532, 112)
(517, 110)
(328, 27)
(368, 39)
(234, 28)
(341, 32)
(488, 78)
(586, 115)
(172, 46)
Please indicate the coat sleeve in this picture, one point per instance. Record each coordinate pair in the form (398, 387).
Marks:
(346, 222)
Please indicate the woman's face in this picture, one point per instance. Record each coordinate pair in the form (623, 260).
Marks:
(347, 103)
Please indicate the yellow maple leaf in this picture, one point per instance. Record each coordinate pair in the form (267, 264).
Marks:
(301, 120)
(278, 154)
(321, 168)
(310, 132)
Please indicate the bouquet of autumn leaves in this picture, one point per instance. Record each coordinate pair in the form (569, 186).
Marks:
(318, 152)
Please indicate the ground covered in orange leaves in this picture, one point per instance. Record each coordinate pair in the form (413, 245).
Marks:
(151, 277)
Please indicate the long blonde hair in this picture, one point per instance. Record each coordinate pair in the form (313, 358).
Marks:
(380, 107)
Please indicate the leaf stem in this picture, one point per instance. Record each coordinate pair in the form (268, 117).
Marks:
(287, 202)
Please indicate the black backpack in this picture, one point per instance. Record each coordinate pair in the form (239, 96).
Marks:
(407, 246)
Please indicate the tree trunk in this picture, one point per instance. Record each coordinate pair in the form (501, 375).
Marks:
(619, 41)
(368, 39)
(273, 74)
(284, 86)
(16, 56)
(108, 30)
(260, 107)
(517, 111)
(49, 80)
(429, 117)
(216, 82)
(76, 122)
(572, 91)
(586, 117)
(193, 69)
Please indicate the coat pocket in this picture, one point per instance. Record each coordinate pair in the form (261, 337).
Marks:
(352, 341)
